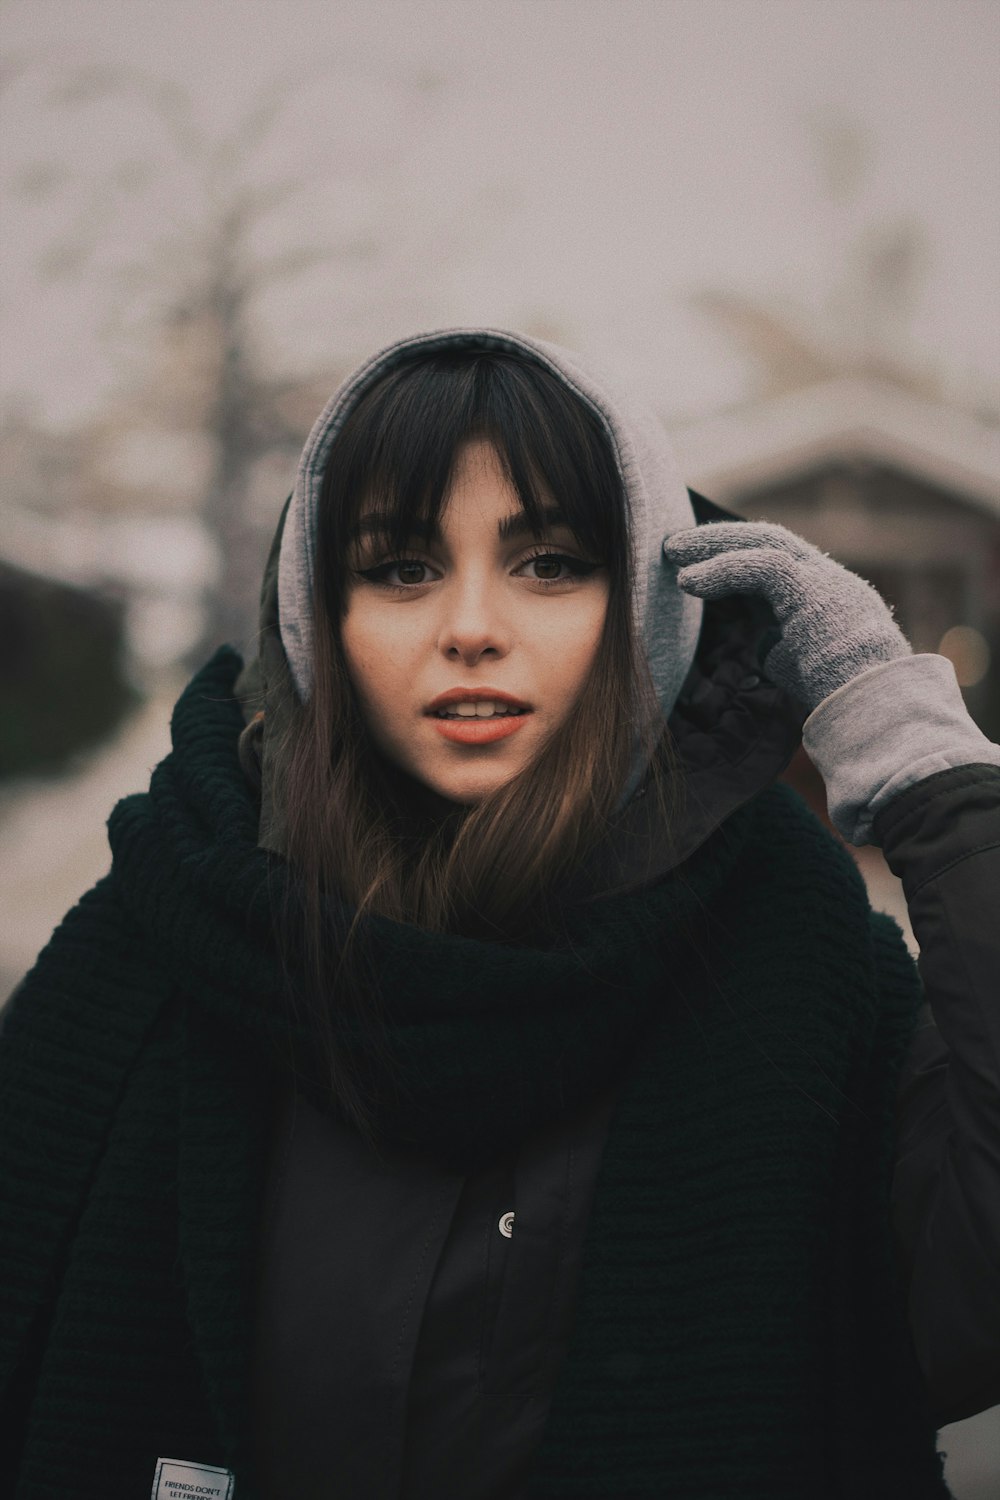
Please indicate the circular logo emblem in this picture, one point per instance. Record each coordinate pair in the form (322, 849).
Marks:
(506, 1225)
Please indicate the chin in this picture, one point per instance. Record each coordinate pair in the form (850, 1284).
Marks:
(468, 794)
(468, 785)
(438, 793)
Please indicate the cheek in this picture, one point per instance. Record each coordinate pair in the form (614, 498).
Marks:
(376, 660)
(362, 655)
(581, 642)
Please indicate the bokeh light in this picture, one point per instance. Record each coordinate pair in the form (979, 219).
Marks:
(969, 653)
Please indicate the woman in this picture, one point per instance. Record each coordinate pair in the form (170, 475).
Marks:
(477, 1075)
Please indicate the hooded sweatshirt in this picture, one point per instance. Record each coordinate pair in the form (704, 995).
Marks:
(657, 503)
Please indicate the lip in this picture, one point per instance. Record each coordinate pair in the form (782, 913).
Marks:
(477, 731)
(476, 695)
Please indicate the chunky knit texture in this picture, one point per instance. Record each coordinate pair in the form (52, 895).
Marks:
(740, 1331)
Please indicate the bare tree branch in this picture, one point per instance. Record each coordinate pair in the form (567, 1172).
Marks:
(207, 270)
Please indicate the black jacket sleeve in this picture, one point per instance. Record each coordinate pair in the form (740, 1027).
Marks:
(941, 837)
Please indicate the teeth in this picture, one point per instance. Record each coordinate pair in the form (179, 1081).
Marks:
(481, 709)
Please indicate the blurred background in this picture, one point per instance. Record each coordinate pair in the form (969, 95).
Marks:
(778, 219)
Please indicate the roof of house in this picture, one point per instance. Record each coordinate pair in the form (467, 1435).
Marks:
(772, 440)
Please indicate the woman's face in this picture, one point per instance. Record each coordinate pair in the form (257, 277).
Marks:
(470, 648)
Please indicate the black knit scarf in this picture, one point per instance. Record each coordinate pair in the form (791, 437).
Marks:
(739, 1329)
(487, 1040)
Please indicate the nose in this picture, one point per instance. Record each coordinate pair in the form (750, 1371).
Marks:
(474, 624)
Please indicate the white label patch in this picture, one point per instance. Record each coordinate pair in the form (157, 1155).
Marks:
(177, 1479)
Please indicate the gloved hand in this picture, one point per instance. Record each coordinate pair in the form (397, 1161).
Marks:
(834, 625)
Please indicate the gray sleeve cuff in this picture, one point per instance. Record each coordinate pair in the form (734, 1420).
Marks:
(892, 725)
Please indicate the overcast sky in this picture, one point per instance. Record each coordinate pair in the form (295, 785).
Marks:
(580, 165)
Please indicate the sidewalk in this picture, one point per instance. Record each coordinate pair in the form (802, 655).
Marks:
(54, 836)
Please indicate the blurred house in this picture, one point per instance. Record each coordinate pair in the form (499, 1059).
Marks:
(900, 488)
(63, 684)
(156, 562)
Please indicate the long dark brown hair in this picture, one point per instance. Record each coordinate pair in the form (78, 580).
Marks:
(358, 828)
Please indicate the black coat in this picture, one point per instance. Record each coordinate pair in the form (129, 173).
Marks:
(438, 1330)
(449, 1333)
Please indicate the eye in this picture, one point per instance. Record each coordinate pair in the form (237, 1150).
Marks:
(410, 572)
(557, 567)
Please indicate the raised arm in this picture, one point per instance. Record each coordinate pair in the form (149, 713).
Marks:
(907, 769)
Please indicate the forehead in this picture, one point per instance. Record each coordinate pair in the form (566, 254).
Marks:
(478, 486)
(403, 497)
(510, 525)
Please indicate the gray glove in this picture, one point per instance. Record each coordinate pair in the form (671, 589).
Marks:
(834, 625)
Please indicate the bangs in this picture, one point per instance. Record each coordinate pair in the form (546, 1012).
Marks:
(392, 461)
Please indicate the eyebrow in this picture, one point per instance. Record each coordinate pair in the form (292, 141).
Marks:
(519, 525)
(510, 526)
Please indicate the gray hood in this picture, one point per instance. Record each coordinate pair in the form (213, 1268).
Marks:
(667, 619)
